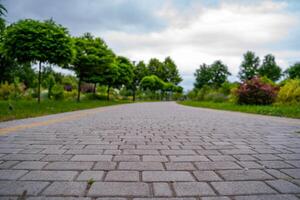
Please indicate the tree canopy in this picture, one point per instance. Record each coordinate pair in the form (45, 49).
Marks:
(249, 66)
(294, 71)
(269, 68)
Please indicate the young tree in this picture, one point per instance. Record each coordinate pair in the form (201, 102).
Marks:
(173, 75)
(2, 20)
(152, 83)
(249, 66)
(92, 59)
(139, 72)
(203, 76)
(294, 71)
(31, 41)
(125, 72)
(269, 68)
(219, 73)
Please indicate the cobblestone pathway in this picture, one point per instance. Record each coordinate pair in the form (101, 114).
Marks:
(152, 151)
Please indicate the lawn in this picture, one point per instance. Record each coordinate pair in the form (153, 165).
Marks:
(25, 108)
(292, 111)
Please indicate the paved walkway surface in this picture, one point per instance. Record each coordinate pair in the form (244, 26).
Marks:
(151, 151)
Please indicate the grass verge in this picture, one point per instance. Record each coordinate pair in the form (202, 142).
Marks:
(292, 111)
(25, 108)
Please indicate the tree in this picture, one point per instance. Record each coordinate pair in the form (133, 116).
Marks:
(203, 76)
(269, 68)
(31, 41)
(173, 75)
(125, 72)
(2, 20)
(92, 59)
(139, 72)
(294, 71)
(155, 67)
(249, 66)
(219, 73)
(152, 83)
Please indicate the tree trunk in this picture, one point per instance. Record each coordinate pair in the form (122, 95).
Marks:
(79, 89)
(94, 91)
(133, 95)
(108, 87)
(39, 82)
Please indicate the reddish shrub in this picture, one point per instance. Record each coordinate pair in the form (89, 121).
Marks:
(255, 91)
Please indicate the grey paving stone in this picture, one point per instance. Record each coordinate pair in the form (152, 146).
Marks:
(242, 188)
(8, 164)
(180, 166)
(30, 165)
(217, 165)
(119, 189)
(221, 158)
(23, 157)
(155, 159)
(188, 158)
(129, 158)
(152, 176)
(140, 166)
(140, 152)
(11, 174)
(91, 158)
(162, 189)
(122, 176)
(206, 176)
(275, 164)
(105, 165)
(284, 186)
(58, 198)
(250, 165)
(231, 175)
(50, 175)
(53, 158)
(295, 173)
(18, 187)
(178, 152)
(169, 198)
(268, 197)
(215, 198)
(70, 165)
(66, 189)
(193, 189)
(88, 175)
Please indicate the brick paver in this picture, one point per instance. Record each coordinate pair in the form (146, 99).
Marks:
(159, 151)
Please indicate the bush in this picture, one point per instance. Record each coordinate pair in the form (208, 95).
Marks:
(92, 96)
(6, 90)
(215, 97)
(205, 90)
(70, 95)
(57, 92)
(290, 92)
(255, 91)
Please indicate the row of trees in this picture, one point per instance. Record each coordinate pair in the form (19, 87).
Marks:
(216, 74)
(46, 43)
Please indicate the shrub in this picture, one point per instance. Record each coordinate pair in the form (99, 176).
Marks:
(205, 90)
(255, 91)
(70, 95)
(215, 97)
(290, 92)
(92, 96)
(6, 90)
(57, 92)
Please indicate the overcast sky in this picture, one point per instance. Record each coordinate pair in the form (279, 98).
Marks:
(192, 32)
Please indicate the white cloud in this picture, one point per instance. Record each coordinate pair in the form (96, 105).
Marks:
(204, 34)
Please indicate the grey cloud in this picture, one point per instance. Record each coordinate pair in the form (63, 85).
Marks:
(90, 15)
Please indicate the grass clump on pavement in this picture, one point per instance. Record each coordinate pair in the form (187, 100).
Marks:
(10, 110)
(292, 111)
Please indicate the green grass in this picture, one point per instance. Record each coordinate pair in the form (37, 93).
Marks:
(25, 108)
(292, 111)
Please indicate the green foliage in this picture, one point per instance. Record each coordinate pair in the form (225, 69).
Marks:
(269, 68)
(173, 75)
(152, 83)
(290, 92)
(249, 66)
(294, 71)
(214, 75)
(125, 69)
(50, 83)
(70, 95)
(57, 92)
